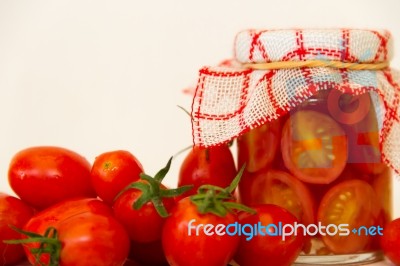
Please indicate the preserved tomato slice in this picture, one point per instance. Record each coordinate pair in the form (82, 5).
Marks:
(350, 204)
(358, 117)
(382, 184)
(278, 188)
(257, 148)
(314, 147)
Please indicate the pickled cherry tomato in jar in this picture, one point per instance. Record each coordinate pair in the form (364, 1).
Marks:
(314, 113)
(323, 164)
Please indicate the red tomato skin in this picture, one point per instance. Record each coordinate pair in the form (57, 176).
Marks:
(213, 166)
(93, 240)
(67, 209)
(268, 250)
(14, 212)
(143, 225)
(87, 239)
(44, 175)
(83, 224)
(113, 171)
(390, 241)
(182, 249)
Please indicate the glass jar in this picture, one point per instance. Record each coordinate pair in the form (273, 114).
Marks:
(322, 162)
(315, 113)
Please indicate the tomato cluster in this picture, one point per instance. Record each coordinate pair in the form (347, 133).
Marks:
(113, 213)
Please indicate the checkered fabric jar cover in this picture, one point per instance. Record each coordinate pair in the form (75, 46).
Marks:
(231, 99)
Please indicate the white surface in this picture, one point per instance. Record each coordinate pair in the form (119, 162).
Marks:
(94, 76)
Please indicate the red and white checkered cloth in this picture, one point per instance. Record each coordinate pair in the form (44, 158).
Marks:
(230, 100)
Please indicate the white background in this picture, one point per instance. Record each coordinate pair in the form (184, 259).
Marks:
(95, 76)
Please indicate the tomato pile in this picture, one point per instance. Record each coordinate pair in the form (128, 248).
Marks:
(327, 169)
(113, 213)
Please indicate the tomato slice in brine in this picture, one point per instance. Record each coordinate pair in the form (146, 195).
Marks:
(348, 205)
(257, 148)
(314, 147)
(279, 188)
(358, 117)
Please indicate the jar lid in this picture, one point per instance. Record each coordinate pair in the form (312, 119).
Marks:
(345, 45)
(233, 98)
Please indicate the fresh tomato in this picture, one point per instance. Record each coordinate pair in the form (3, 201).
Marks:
(12, 212)
(314, 147)
(86, 239)
(268, 249)
(258, 147)
(84, 233)
(279, 188)
(145, 204)
(42, 176)
(183, 246)
(213, 165)
(390, 241)
(112, 171)
(352, 202)
(136, 220)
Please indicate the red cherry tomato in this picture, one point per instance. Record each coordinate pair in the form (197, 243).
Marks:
(42, 176)
(87, 233)
(257, 148)
(112, 171)
(279, 188)
(352, 202)
(191, 250)
(268, 249)
(390, 241)
(12, 212)
(213, 165)
(314, 147)
(143, 225)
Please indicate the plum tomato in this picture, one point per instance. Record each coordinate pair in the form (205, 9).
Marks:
(314, 147)
(14, 212)
(68, 227)
(112, 171)
(279, 188)
(184, 246)
(352, 202)
(44, 175)
(268, 249)
(136, 220)
(212, 165)
(258, 147)
(390, 241)
(84, 239)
